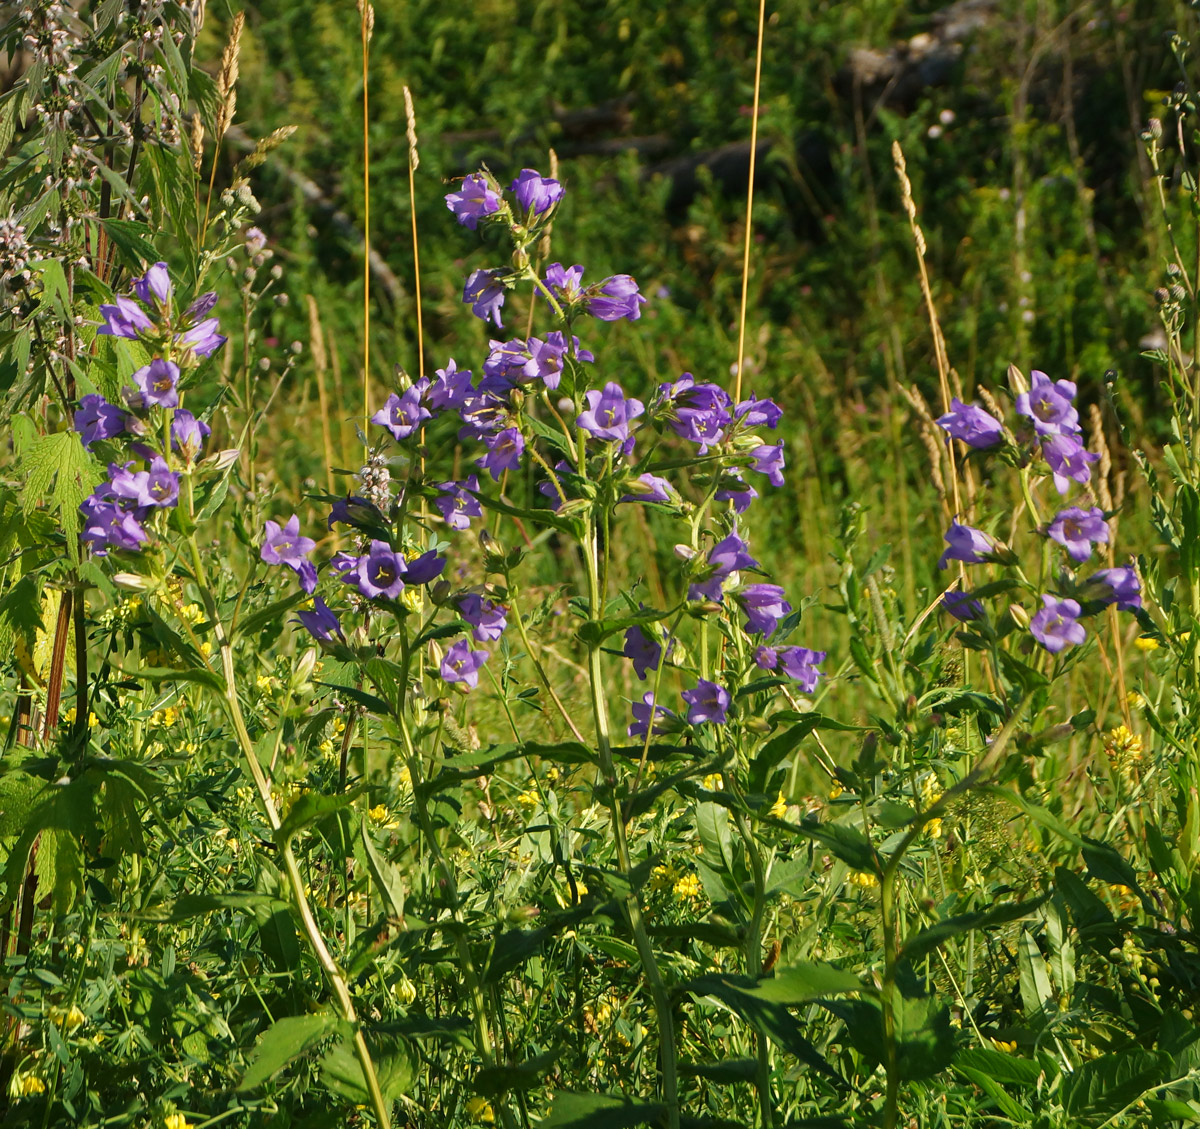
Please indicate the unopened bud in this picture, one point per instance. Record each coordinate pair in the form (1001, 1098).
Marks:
(1155, 128)
(134, 582)
(1161, 295)
(440, 592)
(685, 552)
(1016, 381)
(1019, 615)
(758, 725)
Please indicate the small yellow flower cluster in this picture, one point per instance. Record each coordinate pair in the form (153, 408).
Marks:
(1146, 643)
(266, 683)
(552, 775)
(779, 808)
(934, 828)
(382, 818)
(529, 799)
(191, 613)
(67, 1019)
(164, 718)
(480, 1111)
(71, 714)
(1135, 701)
(1006, 1047)
(1124, 749)
(714, 782)
(27, 1086)
(175, 1121)
(835, 791)
(863, 878)
(686, 887)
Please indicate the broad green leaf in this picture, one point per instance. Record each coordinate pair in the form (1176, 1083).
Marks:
(252, 624)
(926, 940)
(310, 807)
(282, 1043)
(1037, 994)
(1104, 1086)
(395, 1067)
(384, 875)
(598, 1111)
(1009, 1069)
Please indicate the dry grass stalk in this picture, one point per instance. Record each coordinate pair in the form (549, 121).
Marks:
(264, 147)
(196, 142)
(228, 75)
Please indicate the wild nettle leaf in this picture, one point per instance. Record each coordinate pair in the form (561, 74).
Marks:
(60, 472)
(1104, 1086)
(395, 1066)
(59, 869)
(599, 1111)
(284, 1042)
(1001, 1067)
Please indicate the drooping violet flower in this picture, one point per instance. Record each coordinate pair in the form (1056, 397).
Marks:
(353, 510)
(428, 566)
(1077, 530)
(284, 545)
(484, 293)
(107, 526)
(202, 338)
(962, 605)
(321, 621)
(402, 415)
(535, 193)
(504, 452)
(461, 664)
(642, 712)
(800, 664)
(648, 488)
(708, 702)
(456, 505)
(757, 413)
(201, 307)
(507, 365)
(1068, 460)
(483, 415)
(546, 357)
(474, 201)
(615, 298)
(124, 318)
(97, 419)
(764, 606)
(741, 498)
(975, 427)
(644, 652)
(765, 658)
(769, 460)
(1048, 404)
(966, 544)
(1118, 586)
(450, 388)
(144, 489)
(699, 413)
(158, 383)
(154, 287)
(729, 555)
(487, 619)
(609, 413)
(378, 573)
(565, 283)
(188, 434)
(1055, 626)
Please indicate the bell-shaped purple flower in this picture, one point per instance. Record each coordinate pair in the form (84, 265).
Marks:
(154, 287)
(284, 545)
(456, 505)
(125, 318)
(484, 293)
(1048, 404)
(609, 413)
(450, 388)
(158, 383)
(708, 702)
(615, 298)
(474, 201)
(487, 619)
(97, 419)
(202, 338)
(1068, 460)
(428, 566)
(975, 427)
(188, 434)
(729, 555)
(1077, 530)
(741, 495)
(966, 544)
(642, 712)
(800, 664)
(321, 622)
(758, 413)
(1054, 624)
(645, 653)
(962, 605)
(504, 452)
(565, 283)
(402, 415)
(461, 664)
(1118, 586)
(379, 573)
(107, 526)
(769, 460)
(649, 488)
(764, 606)
(535, 193)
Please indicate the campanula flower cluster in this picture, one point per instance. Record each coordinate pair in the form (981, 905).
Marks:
(155, 438)
(1049, 431)
(532, 418)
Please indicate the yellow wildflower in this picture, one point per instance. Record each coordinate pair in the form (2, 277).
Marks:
(552, 774)
(1135, 701)
(29, 1085)
(1146, 643)
(325, 748)
(1001, 1045)
(529, 799)
(686, 887)
(480, 1110)
(67, 1020)
(175, 1121)
(382, 818)
(265, 683)
(192, 613)
(663, 877)
(779, 808)
(863, 878)
(206, 648)
(934, 828)
(835, 791)
(713, 782)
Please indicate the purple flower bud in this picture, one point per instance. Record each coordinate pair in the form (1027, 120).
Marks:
(649, 488)
(428, 566)
(402, 415)
(1055, 626)
(1048, 404)
(708, 702)
(321, 621)
(125, 318)
(609, 413)
(971, 546)
(487, 619)
(202, 338)
(1068, 460)
(1077, 530)
(97, 419)
(615, 298)
(642, 712)
(461, 664)
(1116, 585)
(535, 194)
(764, 606)
(766, 658)
(154, 287)
(962, 605)
(352, 510)
(474, 201)
(201, 307)
(971, 424)
(800, 664)
(484, 293)
(741, 498)
(188, 434)
(456, 505)
(158, 383)
(504, 452)
(729, 555)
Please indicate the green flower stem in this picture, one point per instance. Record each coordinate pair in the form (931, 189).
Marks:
(312, 931)
(633, 910)
(543, 677)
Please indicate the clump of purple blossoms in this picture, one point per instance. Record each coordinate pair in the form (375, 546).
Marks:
(708, 702)
(283, 545)
(97, 419)
(975, 427)
(699, 413)
(1055, 624)
(1118, 586)
(1076, 530)
(615, 298)
(799, 663)
(487, 619)
(729, 555)
(504, 451)
(474, 201)
(115, 512)
(461, 664)
(764, 606)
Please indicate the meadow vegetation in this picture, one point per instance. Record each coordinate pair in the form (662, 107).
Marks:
(467, 662)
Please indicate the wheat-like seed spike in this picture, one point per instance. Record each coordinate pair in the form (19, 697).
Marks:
(410, 119)
(196, 142)
(933, 448)
(265, 146)
(1099, 446)
(228, 75)
(368, 17)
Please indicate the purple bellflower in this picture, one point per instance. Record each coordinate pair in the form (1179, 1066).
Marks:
(125, 318)
(1048, 404)
(156, 487)
(425, 568)
(1118, 586)
(708, 702)
(609, 414)
(1055, 626)
(535, 193)
(769, 460)
(158, 383)
(764, 606)
(321, 621)
(758, 413)
(642, 712)
(971, 424)
(283, 545)
(962, 605)
(487, 619)
(649, 488)
(1077, 530)
(740, 497)
(504, 452)
(378, 573)
(188, 434)
(729, 555)
(1068, 460)
(402, 415)
(456, 505)
(800, 664)
(474, 201)
(154, 287)
(108, 526)
(565, 283)
(615, 298)
(484, 293)
(461, 664)
(966, 544)
(644, 652)
(450, 388)
(97, 419)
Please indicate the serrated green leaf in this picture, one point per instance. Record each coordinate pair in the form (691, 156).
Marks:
(282, 1043)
